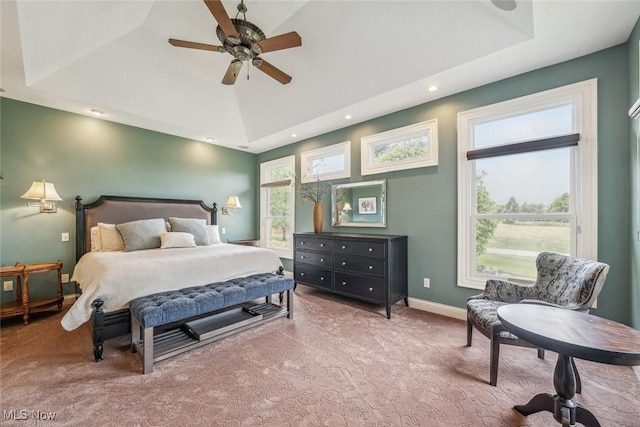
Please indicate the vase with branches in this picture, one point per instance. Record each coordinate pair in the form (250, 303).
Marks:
(313, 193)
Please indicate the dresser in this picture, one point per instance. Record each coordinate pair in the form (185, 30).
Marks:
(368, 267)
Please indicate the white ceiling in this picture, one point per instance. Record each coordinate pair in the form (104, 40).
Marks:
(365, 58)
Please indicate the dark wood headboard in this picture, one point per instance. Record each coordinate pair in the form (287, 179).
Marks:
(119, 209)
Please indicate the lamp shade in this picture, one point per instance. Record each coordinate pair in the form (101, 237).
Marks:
(233, 202)
(42, 191)
(347, 207)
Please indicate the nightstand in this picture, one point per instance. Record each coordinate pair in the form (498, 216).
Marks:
(246, 242)
(24, 304)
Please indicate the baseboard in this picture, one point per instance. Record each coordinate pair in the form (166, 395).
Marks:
(69, 299)
(288, 273)
(437, 308)
(636, 369)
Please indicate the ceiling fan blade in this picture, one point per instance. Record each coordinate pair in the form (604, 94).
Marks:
(283, 41)
(195, 45)
(220, 14)
(232, 72)
(271, 71)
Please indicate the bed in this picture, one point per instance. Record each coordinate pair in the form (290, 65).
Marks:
(109, 278)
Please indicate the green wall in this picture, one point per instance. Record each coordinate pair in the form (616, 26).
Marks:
(634, 94)
(92, 157)
(422, 202)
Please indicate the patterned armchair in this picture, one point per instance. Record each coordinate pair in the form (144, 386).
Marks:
(562, 281)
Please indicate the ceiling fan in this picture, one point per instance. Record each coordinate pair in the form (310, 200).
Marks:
(244, 41)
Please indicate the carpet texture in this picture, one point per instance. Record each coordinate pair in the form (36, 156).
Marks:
(338, 363)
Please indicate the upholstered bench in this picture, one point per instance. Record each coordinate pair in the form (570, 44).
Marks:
(180, 306)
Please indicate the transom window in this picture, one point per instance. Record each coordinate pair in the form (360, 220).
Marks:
(332, 162)
(407, 147)
(527, 173)
(277, 202)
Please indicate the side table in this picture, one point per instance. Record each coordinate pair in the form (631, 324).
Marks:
(571, 334)
(24, 304)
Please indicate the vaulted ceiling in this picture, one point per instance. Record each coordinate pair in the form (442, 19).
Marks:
(364, 58)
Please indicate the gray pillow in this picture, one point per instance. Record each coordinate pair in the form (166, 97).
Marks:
(195, 226)
(142, 234)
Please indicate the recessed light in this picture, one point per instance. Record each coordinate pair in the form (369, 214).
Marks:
(209, 139)
(243, 147)
(432, 88)
(293, 135)
(348, 117)
(96, 112)
(506, 5)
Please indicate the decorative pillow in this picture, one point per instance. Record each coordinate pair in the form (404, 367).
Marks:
(214, 235)
(110, 239)
(177, 240)
(195, 226)
(142, 234)
(96, 241)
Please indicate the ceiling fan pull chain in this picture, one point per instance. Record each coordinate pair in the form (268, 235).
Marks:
(248, 68)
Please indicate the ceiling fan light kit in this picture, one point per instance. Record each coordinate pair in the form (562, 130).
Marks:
(244, 41)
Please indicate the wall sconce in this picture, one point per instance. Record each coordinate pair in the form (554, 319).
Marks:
(46, 193)
(232, 203)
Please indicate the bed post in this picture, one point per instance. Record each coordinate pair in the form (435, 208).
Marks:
(80, 229)
(97, 320)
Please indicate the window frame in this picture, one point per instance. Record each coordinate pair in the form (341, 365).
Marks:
(370, 142)
(306, 157)
(584, 179)
(265, 168)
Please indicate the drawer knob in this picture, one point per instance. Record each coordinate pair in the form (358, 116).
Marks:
(302, 274)
(301, 256)
(371, 267)
(344, 263)
(322, 245)
(321, 278)
(370, 289)
(344, 247)
(321, 259)
(370, 249)
(344, 283)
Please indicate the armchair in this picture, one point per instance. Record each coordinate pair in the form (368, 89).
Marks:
(563, 281)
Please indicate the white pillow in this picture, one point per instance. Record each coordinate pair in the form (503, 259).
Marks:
(214, 235)
(96, 241)
(110, 237)
(177, 239)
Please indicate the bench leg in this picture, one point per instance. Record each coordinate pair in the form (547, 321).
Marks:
(147, 351)
(289, 304)
(135, 333)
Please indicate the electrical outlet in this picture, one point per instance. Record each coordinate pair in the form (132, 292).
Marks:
(65, 278)
(223, 230)
(426, 283)
(8, 285)
(65, 237)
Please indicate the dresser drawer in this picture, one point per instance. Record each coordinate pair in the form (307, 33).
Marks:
(313, 243)
(320, 259)
(358, 264)
(313, 276)
(370, 288)
(349, 247)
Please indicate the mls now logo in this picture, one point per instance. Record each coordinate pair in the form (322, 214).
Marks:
(23, 414)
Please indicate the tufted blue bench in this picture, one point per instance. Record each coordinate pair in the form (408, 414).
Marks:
(169, 307)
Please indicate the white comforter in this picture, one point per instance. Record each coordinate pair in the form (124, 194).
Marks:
(119, 277)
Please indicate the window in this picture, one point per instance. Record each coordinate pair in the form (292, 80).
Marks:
(408, 147)
(527, 183)
(277, 201)
(330, 162)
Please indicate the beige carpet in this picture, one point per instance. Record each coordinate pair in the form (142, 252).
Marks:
(338, 363)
